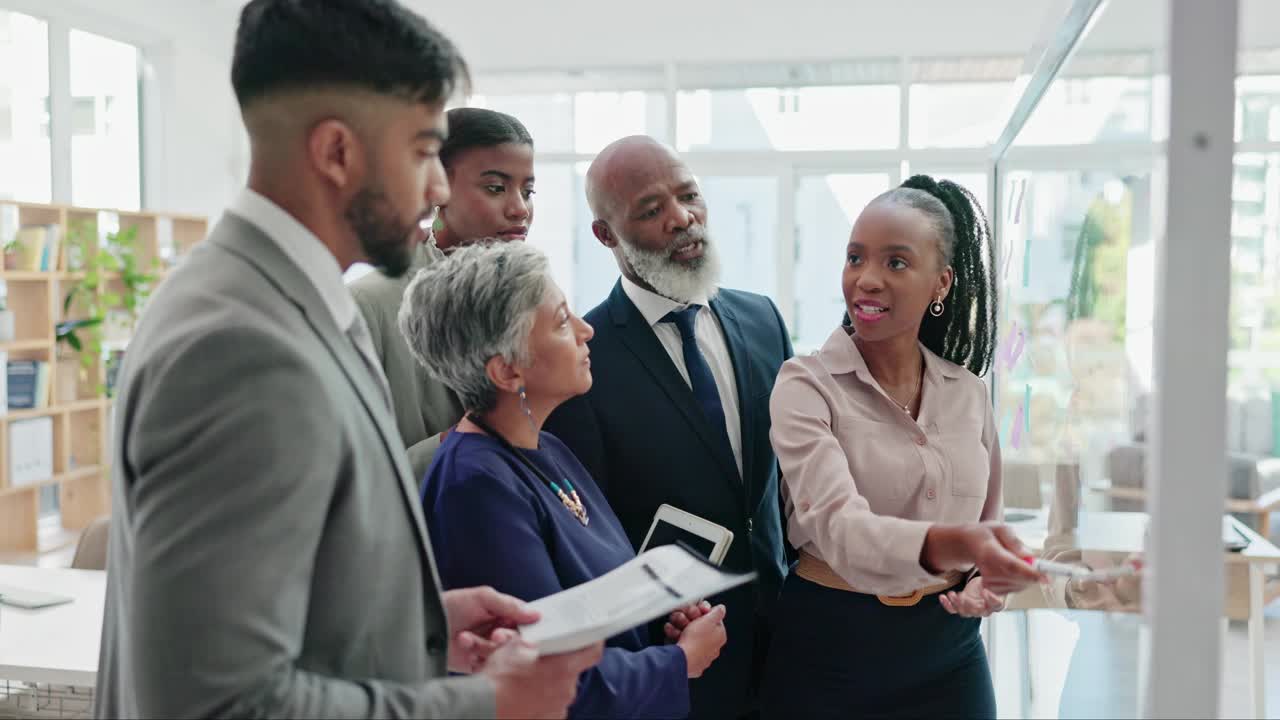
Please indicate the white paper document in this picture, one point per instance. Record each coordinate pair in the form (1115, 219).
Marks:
(649, 586)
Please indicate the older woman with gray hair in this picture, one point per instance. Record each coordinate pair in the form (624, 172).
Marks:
(511, 506)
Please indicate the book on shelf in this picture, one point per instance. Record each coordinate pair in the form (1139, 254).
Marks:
(36, 248)
(30, 451)
(28, 384)
(4, 383)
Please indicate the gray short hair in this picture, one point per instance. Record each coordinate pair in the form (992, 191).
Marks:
(477, 303)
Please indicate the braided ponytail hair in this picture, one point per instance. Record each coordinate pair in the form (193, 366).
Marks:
(965, 333)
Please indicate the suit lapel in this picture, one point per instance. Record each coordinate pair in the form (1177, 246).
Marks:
(635, 333)
(257, 249)
(736, 341)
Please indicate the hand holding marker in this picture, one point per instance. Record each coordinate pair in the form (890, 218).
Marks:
(1079, 572)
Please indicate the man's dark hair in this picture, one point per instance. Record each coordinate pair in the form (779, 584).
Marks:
(480, 128)
(374, 45)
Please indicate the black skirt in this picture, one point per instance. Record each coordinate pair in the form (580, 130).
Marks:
(838, 654)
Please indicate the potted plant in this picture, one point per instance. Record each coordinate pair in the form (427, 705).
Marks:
(82, 242)
(12, 253)
(103, 305)
(70, 373)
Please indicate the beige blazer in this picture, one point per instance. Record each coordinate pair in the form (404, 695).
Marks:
(424, 407)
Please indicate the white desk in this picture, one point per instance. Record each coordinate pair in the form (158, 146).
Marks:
(1108, 538)
(59, 644)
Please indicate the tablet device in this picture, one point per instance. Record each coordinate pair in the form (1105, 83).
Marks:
(672, 525)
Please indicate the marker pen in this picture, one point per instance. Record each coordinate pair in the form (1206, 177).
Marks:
(1079, 572)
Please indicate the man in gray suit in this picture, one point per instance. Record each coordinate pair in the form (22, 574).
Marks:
(268, 556)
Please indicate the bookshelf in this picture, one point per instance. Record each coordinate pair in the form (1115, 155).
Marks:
(37, 283)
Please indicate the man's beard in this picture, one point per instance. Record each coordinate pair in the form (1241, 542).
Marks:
(386, 241)
(680, 281)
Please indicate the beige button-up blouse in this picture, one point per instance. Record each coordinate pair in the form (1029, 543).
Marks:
(863, 481)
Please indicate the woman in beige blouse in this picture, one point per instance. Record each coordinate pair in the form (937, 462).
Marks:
(891, 470)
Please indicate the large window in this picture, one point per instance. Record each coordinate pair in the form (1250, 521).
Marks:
(1254, 359)
(743, 219)
(25, 152)
(787, 156)
(859, 117)
(1086, 110)
(105, 162)
(956, 115)
(582, 122)
(826, 206)
(1258, 108)
(70, 129)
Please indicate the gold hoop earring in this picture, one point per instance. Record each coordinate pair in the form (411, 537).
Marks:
(936, 308)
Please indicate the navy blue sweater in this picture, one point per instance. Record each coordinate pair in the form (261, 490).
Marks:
(494, 522)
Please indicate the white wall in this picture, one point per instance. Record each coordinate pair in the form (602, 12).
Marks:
(200, 142)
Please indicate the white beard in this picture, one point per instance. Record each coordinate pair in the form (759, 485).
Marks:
(681, 282)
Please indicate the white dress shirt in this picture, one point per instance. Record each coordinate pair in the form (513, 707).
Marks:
(711, 342)
(317, 264)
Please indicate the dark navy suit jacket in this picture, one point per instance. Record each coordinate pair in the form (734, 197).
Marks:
(642, 436)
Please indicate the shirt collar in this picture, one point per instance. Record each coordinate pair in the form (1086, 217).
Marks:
(651, 305)
(840, 356)
(303, 249)
(429, 248)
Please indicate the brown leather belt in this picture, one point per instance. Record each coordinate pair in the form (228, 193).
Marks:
(816, 571)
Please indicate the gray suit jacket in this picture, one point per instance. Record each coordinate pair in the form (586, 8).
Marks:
(268, 556)
(424, 406)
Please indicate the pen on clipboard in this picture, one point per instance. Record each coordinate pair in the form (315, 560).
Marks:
(654, 575)
(1049, 567)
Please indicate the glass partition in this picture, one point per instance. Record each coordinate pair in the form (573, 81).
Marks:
(1080, 198)
(1081, 217)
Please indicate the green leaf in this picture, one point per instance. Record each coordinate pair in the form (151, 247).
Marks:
(74, 341)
